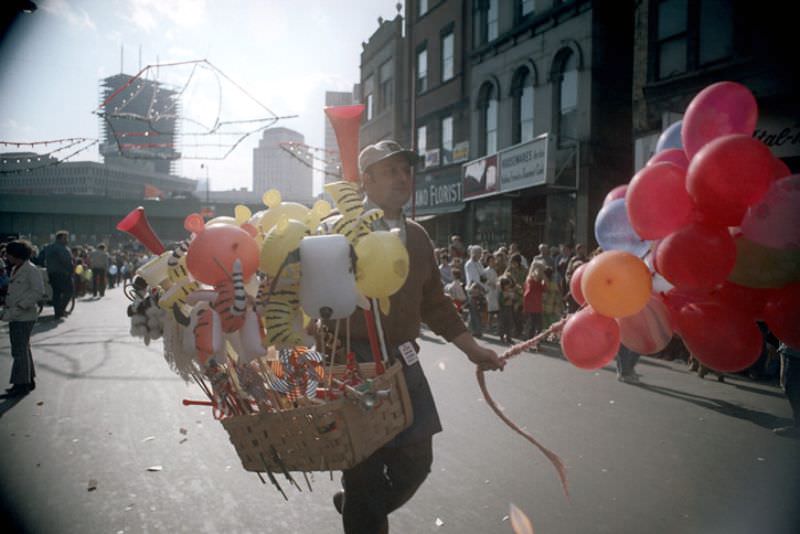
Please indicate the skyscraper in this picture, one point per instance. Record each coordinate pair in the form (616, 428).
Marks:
(138, 123)
(275, 168)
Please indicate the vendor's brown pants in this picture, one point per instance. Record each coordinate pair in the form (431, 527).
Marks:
(383, 483)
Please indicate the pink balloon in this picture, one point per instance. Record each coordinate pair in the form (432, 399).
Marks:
(781, 169)
(649, 331)
(671, 155)
(722, 108)
(775, 220)
(657, 201)
(696, 256)
(728, 175)
(614, 194)
(590, 340)
(575, 284)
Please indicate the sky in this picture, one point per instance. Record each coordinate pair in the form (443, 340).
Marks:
(284, 53)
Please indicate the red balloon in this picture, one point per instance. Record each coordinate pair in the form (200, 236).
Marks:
(722, 108)
(728, 175)
(575, 284)
(697, 256)
(657, 201)
(748, 300)
(614, 194)
(781, 169)
(782, 315)
(723, 339)
(677, 298)
(590, 340)
(671, 155)
(214, 249)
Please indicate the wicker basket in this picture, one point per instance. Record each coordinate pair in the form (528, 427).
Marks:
(332, 436)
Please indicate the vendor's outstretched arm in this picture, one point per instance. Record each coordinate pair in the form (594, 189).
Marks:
(483, 357)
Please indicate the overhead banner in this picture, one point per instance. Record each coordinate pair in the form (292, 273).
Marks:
(526, 165)
(480, 177)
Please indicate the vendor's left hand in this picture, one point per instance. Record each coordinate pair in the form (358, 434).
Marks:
(486, 359)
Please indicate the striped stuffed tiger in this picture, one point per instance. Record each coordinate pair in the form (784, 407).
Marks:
(231, 301)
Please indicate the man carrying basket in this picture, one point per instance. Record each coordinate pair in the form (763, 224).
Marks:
(389, 478)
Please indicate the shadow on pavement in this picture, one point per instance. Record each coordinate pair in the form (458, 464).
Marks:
(762, 419)
(7, 403)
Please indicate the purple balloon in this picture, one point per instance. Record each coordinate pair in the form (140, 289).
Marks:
(613, 230)
(671, 137)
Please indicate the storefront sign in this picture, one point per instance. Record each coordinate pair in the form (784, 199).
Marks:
(480, 177)
(432, 158)
(438, 194)
(780, 134)
(526, 165)
(460, 152)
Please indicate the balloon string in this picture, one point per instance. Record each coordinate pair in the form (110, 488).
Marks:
(510, 353)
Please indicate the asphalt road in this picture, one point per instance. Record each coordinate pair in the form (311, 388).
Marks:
(677, 454)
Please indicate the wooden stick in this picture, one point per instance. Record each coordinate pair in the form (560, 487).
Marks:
(333, 352)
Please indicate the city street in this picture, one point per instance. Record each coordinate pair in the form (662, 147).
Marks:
(104, 445)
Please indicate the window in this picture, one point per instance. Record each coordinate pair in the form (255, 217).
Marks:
(385, 85)
(567, 81)
(423, 7)
(487, 108)
(447, 56)
(422, 141)
(485, 21)
(447, 139)
(527, 7)
(692, 34)
(523, 106)
(672, 38)
(369, 101)
(715, 31)
(422, 70)
(492, 24)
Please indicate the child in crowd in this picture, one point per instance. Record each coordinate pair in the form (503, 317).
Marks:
(551, 299)
(455, 290)
(506, 301)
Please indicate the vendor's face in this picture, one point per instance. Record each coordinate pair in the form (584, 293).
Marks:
(388, 183)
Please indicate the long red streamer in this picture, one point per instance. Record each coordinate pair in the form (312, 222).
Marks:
(510, 353)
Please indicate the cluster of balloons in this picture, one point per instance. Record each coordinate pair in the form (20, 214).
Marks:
(703, 242)
(243, 280)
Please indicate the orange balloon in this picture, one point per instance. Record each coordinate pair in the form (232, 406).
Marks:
(212, 253)
(617, 284)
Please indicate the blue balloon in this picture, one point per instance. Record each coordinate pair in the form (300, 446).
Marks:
(670, 138)
(613, 230)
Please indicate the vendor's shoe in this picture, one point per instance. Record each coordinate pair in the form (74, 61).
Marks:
(338, 501)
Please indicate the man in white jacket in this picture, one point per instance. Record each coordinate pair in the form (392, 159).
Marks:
(25, 289)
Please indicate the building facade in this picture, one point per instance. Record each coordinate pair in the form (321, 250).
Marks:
(550, 93)
(680, 47)
(438, 43)
(275, 168)
(384, 80)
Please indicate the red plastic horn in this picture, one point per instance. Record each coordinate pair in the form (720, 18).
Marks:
(346, 121)
(135, 223)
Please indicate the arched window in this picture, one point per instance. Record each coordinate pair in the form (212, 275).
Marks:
(523, 104)
(566, 81)
(487, 128)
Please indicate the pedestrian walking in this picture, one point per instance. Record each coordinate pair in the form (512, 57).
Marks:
(790, 382)
(99, 261)
(389, 478)
(58, 261)
(25, 289)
